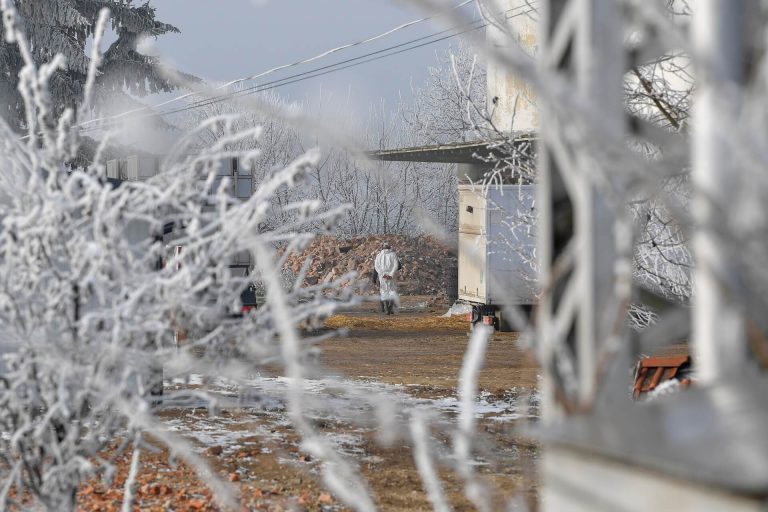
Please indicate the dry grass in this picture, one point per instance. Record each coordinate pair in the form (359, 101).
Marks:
(398, 323)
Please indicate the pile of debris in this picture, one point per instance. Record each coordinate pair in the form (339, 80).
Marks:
(427, 263)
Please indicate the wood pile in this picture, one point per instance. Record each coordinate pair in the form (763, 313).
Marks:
(426, 261)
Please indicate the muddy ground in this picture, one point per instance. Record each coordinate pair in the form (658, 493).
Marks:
(413, 360)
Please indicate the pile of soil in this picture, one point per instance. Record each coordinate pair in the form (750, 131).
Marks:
(427, 263)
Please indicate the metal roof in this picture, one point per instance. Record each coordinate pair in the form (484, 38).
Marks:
(457, 152)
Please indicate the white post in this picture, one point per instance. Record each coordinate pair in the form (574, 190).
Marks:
(581, 40)
(599, 72)
(718, 325)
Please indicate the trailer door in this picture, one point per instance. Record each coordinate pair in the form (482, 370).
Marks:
(473, 286)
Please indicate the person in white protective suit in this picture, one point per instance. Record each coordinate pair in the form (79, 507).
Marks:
(386, 265)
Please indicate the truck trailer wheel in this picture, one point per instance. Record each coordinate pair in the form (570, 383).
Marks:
(485, 315)
(504, 323)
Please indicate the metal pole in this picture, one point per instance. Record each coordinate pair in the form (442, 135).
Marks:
(550, 193)
(581, 41)
(599, 71)
(719, 344)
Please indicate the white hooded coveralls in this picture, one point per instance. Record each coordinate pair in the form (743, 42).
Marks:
(386, 264)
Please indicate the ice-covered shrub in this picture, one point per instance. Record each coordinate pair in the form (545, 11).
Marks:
(91, 308)
(88, 310)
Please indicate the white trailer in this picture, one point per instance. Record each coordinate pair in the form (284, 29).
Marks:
(496, 249)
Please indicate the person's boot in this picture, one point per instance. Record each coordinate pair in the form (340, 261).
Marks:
(383, 304)
(390, 305)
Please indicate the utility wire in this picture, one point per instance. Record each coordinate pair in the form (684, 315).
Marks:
(258, 89)
(314, 72)
(330, 68)
(266, 85)
(286, 66)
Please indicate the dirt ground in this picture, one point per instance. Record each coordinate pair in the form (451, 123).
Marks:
(416, 355)
(419, 348)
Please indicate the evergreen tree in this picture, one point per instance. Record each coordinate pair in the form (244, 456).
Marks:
(65, 27)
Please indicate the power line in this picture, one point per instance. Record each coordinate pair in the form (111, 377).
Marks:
(314, 73)
(330, 68)
(285, 66)
(258, 89)
(266, 86)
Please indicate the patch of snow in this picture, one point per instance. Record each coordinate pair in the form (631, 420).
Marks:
(458, 308)
(666, 388)
(419, 306)
(333, 399)
(347, 443)
(192, 379)
(261, 402)
(507, 408)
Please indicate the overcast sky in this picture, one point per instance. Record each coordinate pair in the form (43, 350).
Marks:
(225, 39)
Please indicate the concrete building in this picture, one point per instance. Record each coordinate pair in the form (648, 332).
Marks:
(511, 101)
(238, 177)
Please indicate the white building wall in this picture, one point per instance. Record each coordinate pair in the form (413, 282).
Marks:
(511, 102)
(578, 481)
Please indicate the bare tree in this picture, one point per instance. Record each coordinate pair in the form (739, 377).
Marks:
(440, 111)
